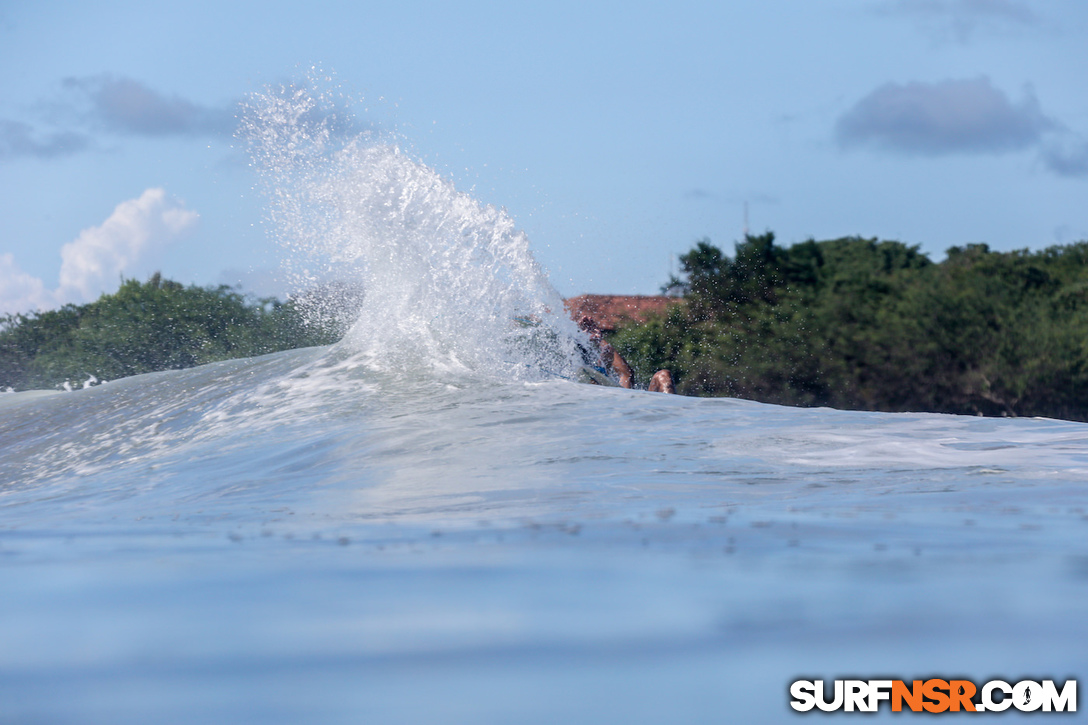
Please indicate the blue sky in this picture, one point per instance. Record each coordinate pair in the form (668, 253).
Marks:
(616, 134)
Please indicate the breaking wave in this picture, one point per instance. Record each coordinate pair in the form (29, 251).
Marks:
(448, 283)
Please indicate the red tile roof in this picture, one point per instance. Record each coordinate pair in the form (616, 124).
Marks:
(612, 311)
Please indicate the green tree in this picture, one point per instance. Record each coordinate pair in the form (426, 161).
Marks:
(148, 326)
(876, 325)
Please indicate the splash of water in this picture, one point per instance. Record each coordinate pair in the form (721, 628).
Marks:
(449, 284)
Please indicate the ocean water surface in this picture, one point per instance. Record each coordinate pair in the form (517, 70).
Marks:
(429, 522)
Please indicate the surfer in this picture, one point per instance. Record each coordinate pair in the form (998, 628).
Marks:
(609, 361)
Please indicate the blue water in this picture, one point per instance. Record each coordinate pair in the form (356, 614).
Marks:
(271, 540)
(426, 523)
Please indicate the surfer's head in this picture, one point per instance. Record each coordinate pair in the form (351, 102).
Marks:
(590, 326)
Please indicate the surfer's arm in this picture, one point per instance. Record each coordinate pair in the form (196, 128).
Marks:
(609, 357)
(618, 365)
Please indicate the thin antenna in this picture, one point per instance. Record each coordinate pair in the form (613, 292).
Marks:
(746, 220)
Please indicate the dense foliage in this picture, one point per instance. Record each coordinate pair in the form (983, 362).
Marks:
(849, 323)
(875, 325)
(154, 325)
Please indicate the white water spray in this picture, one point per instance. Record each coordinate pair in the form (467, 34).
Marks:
(449, 284)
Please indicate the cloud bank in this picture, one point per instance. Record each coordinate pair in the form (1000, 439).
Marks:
(952, 116)
(20, 139)
(960, 117)
(106, 105)
(92, 263)
(961, 19)
(1066, 155)
(113, 105)
(125, 106)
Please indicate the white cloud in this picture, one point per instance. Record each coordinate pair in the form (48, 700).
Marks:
(93, 263)
(19, 291)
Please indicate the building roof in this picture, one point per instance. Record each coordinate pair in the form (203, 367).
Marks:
(613, 311)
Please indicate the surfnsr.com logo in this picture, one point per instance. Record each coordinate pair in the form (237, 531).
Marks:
(934, 695)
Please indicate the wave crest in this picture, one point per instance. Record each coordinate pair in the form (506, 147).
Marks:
(449, 283)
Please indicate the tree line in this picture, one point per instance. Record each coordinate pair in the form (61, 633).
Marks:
(156, 325)
(849, 323)
(866, 324)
